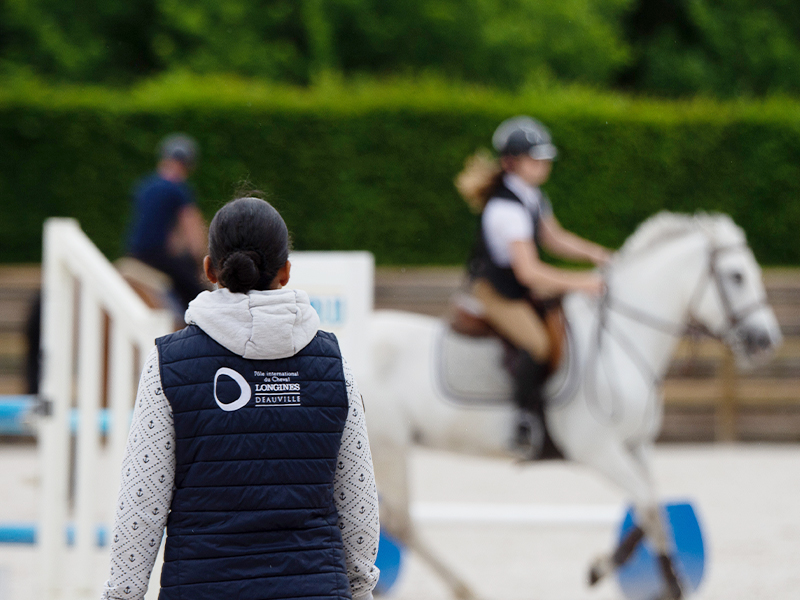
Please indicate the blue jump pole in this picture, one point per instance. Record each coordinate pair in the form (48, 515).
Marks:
(25, 533)
(640, 578)
(18, 413)
(17, 417)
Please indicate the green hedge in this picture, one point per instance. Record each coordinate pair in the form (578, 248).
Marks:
(371, 166)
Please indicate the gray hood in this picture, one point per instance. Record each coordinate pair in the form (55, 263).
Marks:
(258, 325)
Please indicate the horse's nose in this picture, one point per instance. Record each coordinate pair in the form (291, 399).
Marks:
(757, 340)
(764, 340)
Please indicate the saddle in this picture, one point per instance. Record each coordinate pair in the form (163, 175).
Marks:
(466, 318)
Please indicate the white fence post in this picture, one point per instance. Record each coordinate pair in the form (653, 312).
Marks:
(71, 262)
(121, 397)
(56, 390)
(90, 357)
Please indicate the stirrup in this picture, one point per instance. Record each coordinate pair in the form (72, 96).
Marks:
(529, 435)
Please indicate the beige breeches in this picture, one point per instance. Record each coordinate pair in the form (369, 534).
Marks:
(515, 320)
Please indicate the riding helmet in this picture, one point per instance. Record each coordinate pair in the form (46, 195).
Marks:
(524, 135)
(180, 147)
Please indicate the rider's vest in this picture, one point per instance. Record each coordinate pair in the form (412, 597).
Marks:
(481, 263)
(257, 444)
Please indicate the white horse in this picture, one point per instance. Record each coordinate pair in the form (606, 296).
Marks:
(436, 388)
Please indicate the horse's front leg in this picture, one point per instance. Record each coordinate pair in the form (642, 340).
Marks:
(655, 527)
(631, 471)
(650, 525)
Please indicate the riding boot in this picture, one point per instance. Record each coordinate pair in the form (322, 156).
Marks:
(529, 378)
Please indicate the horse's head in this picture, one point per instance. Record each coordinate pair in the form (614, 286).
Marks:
(731, 301)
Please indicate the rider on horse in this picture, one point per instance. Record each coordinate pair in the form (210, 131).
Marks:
(506, 272)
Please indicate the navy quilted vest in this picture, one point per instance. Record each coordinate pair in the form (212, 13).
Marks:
(257, 441)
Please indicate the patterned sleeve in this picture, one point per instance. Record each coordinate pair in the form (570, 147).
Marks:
(356, 497)
(148, 475)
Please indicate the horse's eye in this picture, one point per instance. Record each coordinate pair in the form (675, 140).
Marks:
(737, 278)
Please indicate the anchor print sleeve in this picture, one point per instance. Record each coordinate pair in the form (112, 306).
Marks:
(356, 497)
(148, 474)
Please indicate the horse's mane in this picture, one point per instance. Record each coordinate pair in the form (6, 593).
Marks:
(666, 225)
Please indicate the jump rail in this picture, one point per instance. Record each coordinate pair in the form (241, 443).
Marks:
(18, 416)
(79, 287)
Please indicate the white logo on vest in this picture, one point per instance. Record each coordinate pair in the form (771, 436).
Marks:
(244, 397)
(278, 389)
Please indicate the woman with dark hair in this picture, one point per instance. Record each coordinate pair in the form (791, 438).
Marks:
(507, 274)
(248, 441)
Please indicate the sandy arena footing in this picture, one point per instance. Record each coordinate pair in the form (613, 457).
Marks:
(746, 497)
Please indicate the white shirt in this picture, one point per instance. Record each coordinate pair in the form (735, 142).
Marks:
(506, 221)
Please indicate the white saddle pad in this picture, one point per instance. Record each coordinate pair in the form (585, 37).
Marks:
(470, 371)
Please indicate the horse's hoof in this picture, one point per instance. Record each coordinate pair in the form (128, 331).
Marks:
(598, 570)
(673, 591)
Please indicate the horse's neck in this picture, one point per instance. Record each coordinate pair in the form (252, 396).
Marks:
(660, 284)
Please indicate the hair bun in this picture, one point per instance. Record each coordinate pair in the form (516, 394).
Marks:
(240, 271)
(248, 244)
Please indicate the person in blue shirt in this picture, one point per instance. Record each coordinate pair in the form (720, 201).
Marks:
(168, 231)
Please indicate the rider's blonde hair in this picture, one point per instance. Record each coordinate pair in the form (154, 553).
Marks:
(478, 179)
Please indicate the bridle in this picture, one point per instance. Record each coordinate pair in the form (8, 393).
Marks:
(733, 317)
(712, 276)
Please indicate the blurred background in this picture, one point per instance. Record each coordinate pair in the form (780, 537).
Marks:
(354, 116)
(364, 111)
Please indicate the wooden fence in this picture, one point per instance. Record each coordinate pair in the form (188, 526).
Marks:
(706, 398)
